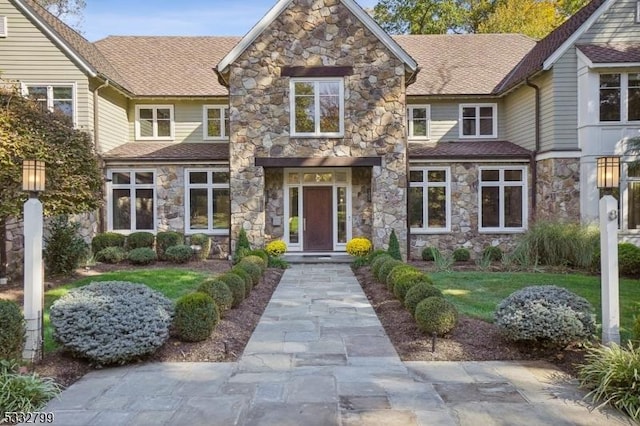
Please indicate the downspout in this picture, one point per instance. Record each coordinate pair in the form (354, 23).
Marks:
(534, 153)
(98, 147)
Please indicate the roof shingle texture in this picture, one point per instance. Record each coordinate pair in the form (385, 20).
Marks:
(611, 53)
(154, 151)
(468, 150)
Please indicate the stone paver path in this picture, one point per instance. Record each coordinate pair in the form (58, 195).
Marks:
(319, 356)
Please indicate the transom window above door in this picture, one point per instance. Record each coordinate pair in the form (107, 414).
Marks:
(478, 121)
(154, 122)
(317, 107)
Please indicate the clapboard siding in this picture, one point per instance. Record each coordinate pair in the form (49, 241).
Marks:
(618, 24)
(565, 91)
(520, 113)
(113, 128)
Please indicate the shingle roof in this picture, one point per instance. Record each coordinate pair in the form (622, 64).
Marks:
(468, 150)
(469, 64)
(169, 66)
(611, 53)
(154, 151)
(534, 60)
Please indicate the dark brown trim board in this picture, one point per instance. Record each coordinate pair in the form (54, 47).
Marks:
(319, 162)
(316, 71)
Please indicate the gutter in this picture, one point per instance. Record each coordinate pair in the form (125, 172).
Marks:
(534, 153)
(98, 147)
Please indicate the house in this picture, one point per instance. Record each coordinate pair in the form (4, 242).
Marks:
(317, 126)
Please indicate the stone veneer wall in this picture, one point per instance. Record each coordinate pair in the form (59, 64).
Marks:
(317, 33)
(362, 218)
(274, 198)
(558, 189)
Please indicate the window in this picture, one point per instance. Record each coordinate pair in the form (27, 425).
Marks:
(53, 97)
(154, 122)
(430, 199)
(503, 199)
(317, 107)
(207, 205)
(419, 122)
(479, 121)
(620, 97)
(3, 26)
(132, 200)
(633, 197)
(215, 122)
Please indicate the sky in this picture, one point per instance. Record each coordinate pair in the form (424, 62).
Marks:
(170, 17)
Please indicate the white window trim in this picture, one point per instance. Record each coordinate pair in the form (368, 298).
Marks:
(410, 122)
(4, 30)
(132, 186)
(502, 184)
(224, 112)
(155, 123)
(638, 12)
(426, 229)
(210, 187)
(292, 107)
(624, 99)
(477, 135)
(24, 87)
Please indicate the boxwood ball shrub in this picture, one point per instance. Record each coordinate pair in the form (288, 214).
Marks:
(166, 239)
(492, 253)
(12, 330)
(179, 254)
(276, 248)
(374, 255)
(242, 273)
(256, 260)
(548, 316)
(140, 239)
(436, 315)
(261, 253)
(378, 262)
(219, 292)
(252, 269)
(417, 293)
(107, 239)
(237, 287)
(204, 242)
(407, 282)
(111, 322)
(398, 272)
(427, 253)
(111, 255)
(142, 256)
(386, 268)
(359, 247)
(461, 254)
(196, 316)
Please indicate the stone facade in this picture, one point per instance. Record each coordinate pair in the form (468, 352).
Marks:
(558, 189)
(313, 33)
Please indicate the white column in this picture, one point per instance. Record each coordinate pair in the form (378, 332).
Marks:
(609, 268)
(33, 278)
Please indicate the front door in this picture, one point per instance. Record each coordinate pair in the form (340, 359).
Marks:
(318, 218)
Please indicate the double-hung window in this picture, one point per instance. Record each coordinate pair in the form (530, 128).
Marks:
(58, 97)
(317, 107)
(430, 199)
(620, 97)
(215, 122)
(479, 121)
(132, 200)
(207, 205)
(503, 199)
(419, 122)
(154, 122)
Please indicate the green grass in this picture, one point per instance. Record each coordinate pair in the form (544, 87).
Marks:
(173, 283)
(477, 294)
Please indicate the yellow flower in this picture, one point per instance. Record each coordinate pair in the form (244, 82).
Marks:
(276, 248)
(359, 247)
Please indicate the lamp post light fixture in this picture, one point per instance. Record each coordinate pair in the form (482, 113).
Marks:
(608, 176)
(33, 182)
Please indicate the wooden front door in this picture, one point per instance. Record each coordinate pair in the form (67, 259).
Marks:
(318, 218)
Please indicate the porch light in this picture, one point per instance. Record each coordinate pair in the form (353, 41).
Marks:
(608, 172)
(33, 176)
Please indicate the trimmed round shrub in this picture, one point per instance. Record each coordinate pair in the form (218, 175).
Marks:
(107, 239)
(142, 256)
(386, 268)
(359, 246)
(219, 292)
(12, 331)
(262, 254)
(436, 315)
(374, 255)
(492, 253)
(548, 316)
(629, 259)
(111, 255)
(406, 282)
(252, 269)
(461, 255)
(378, 262)
(236, 285)
(204, 242)
(398, 272)
(417, 293)
(111, 322)
(141, 239)
(246, 276)
(258, 261)
(427, 253)
(179, 254)
(276, 248)
(196, 316)
(167, 239)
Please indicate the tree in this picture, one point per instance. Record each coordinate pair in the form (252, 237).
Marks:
(66, 10)
(535, 18)
(73, 175)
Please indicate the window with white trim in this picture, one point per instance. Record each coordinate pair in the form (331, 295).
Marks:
(54, 97)
(419, 122)
(215, 120)
(503, 199)
(620, 97)
(208, 203)
(154, 122)
(317, 107)
(478, 120)
(132, 200)
(430, 199)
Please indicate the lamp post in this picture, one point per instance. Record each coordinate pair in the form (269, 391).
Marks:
(608, 176)
(33, 179)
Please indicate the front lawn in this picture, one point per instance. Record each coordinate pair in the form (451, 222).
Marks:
(173, 283)
(477, 294)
